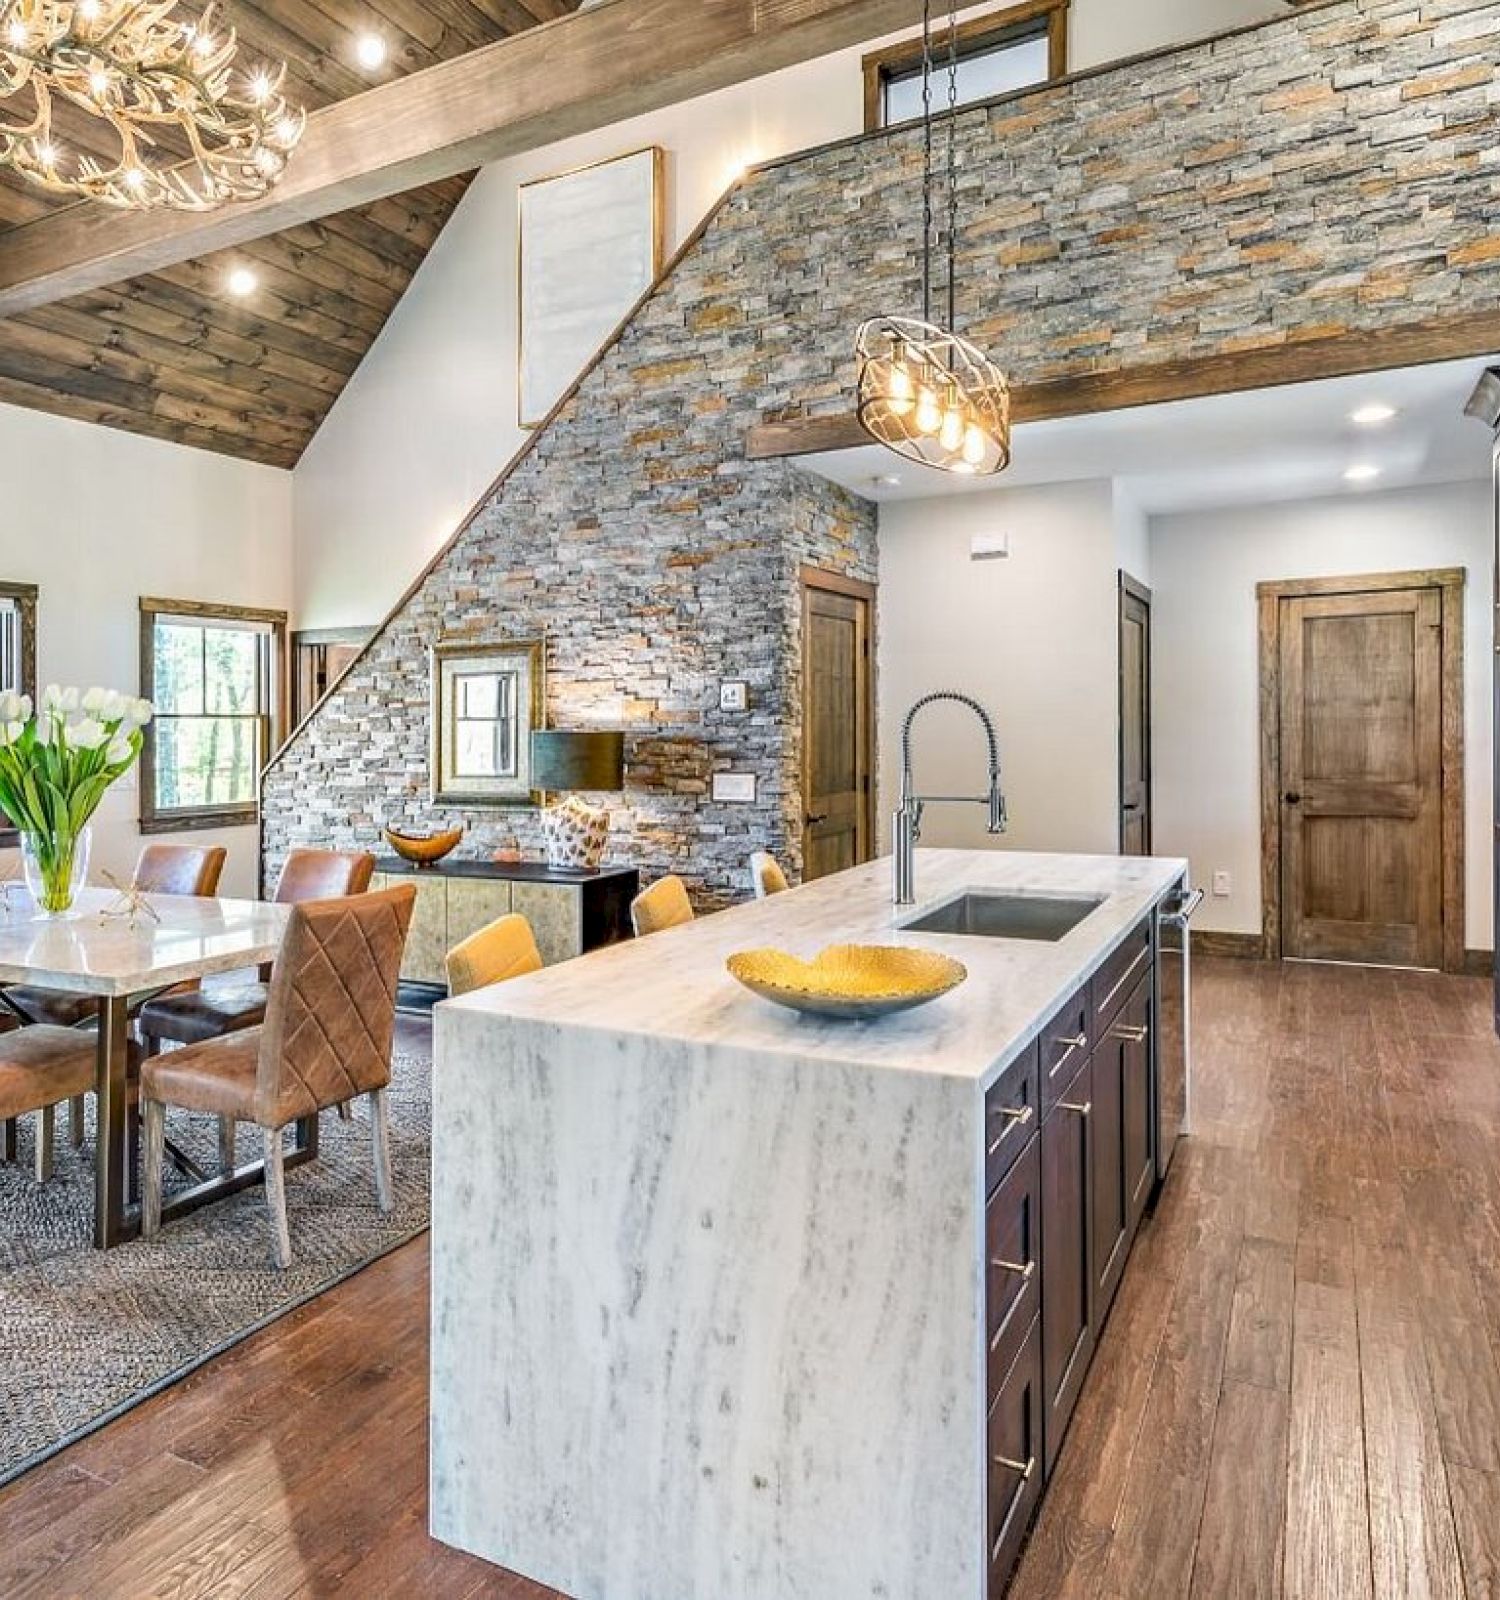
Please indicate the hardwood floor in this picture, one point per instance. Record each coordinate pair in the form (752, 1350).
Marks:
(1296, 1395)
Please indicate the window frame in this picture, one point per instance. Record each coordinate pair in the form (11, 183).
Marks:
(25, 597)
(182, 819)
(1011, 24)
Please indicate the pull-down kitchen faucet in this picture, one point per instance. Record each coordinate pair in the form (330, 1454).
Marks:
(908, 818)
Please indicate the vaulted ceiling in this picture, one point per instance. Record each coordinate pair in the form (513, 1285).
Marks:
(174, 354)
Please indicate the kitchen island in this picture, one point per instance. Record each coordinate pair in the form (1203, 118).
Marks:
(735, 1304)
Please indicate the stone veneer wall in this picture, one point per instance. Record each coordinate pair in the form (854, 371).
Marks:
(1336, 171)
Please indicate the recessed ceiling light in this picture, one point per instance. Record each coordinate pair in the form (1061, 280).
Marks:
(1361, 472)
(886, 480)
(369, 51)
(1372, 415)
(241, 282)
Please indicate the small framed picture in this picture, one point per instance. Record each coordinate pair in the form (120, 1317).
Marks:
(486, 700)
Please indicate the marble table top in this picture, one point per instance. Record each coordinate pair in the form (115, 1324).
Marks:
(673, 985)
(88, 952)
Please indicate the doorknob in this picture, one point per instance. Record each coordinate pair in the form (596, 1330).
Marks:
(815, 817)
(1293, 799)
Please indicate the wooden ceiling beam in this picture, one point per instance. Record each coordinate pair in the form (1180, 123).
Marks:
(566, 77)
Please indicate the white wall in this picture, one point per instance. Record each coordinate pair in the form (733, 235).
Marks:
(1032, 637)
(429, 419)
(1205, 566)
(97, 518)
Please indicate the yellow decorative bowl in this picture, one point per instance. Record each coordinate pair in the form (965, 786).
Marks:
(849, 980)
(424, 850)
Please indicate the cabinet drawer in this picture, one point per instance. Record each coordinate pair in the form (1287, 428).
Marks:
(1015, 1460)
(1011, 1116)
(1123, 968)
(1064, 1046)
(1013, 1266)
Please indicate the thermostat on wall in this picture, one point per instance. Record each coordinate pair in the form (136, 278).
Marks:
(734, 695)
(734, 788)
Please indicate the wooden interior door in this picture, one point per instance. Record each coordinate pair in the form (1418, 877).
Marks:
(1135, 718)
(1362, 777)
(838, 827)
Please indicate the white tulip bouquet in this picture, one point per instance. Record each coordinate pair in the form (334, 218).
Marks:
(54, 769)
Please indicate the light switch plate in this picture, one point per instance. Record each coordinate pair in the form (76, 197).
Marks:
(1223, 885)
(734, 695)
(734, 788)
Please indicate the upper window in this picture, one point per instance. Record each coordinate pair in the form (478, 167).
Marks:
(214, 674)
(1013, 48)
(17, 654)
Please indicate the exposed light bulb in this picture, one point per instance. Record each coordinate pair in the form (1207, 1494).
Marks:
(951, 435)
(370, 51)
(15, 32)
(203, 44)
(976, 443)
(267, 161)
(901, 392)
(99, 83)
(135, 177)
(88, 10)
(287, 130)
(929, 417)
(242, 282)
(260, 87)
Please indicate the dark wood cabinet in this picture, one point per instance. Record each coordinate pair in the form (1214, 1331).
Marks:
(1070, 1164)
(1067, 1255)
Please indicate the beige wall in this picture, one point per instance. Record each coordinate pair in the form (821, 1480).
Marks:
(1032, 637)
(96, 518)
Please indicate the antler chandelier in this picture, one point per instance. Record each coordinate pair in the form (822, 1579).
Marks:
(172, 123)
(925, 391)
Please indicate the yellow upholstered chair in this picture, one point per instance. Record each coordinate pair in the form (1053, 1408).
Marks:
(766, 876)
(505, 948)
(664, 905)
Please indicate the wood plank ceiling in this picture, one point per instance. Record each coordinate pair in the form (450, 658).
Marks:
(174, 354)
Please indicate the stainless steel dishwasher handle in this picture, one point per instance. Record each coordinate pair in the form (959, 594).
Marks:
(1185, 909)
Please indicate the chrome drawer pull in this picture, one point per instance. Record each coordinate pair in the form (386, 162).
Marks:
(1014, 1119)
(1131, 1034)
(1022, 1469)
(1083, 1110)
(1025, 1268)
(1077, 1042)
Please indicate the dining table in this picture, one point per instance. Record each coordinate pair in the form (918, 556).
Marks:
(120, 949)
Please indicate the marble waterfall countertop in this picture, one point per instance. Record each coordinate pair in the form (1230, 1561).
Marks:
(709, 1276)
(674, 985)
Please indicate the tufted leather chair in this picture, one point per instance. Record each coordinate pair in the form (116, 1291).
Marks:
(192, 1018)
(664, 905)
(330, 1019)
(506, 948)
(188, 869)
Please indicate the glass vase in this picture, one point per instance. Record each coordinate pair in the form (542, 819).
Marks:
(56, 866)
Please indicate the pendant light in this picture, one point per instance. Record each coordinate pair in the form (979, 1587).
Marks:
(925, 391)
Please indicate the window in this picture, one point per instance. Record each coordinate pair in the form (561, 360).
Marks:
(17, 655)
(214, 674)
(1010, 49)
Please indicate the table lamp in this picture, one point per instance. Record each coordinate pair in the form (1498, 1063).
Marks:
(573, 831)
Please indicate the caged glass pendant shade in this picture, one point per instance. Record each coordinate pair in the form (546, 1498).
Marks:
(933, 397)
(925, 391)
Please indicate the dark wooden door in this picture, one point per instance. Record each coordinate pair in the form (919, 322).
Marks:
(1135, 718)
(1067, 1275)
(836, 744)
(1361, 777)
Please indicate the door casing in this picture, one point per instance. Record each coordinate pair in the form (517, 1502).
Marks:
(1449, 582)
(1133, 590)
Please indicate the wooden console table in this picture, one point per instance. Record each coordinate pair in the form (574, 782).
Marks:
(570, 911)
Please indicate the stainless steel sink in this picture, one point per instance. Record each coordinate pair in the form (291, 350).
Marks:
(1007, 916)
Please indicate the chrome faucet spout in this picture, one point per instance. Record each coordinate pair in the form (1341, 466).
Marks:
(908, 817)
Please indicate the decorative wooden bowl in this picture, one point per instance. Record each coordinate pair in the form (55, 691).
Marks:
(849, 980)
(423, 850)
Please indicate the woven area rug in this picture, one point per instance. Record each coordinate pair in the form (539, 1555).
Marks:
(86, 1334)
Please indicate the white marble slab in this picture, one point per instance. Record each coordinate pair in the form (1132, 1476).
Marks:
(708, 1278)
(88, 952)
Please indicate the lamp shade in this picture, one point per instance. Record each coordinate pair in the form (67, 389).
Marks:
(567, 760)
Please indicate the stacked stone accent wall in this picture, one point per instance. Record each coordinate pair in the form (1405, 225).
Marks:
(1336, 171)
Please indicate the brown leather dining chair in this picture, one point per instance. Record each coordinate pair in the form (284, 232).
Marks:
(207, 1013)
(187, 869)
(330, 1022)
(40, 1067)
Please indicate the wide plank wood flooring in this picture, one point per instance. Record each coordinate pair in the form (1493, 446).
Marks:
(1297, 1394)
